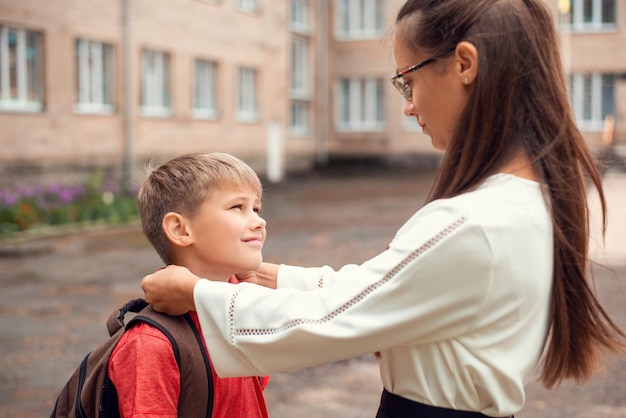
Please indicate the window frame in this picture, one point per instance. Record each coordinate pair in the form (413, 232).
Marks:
(578, 21)
(247, 106)
(299, 16)
(359, 19)
(156, 93)
(248, 6)
(29, 78)
(95, 77)
(299, 118)
(299, 84)
(589, 101)
(364, 109)
(208, 85)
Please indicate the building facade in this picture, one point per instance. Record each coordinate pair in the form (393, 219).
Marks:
(283, 84)
(593, 33)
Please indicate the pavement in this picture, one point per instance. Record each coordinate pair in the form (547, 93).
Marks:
(58, 289)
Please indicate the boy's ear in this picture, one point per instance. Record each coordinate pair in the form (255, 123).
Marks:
(176, 229)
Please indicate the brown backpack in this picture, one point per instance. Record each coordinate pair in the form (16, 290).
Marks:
(89, 392)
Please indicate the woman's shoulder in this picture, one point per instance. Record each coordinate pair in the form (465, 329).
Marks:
(500, 199)
(498, 193)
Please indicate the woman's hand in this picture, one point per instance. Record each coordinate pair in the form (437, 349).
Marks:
(265, 275)
(170, 290)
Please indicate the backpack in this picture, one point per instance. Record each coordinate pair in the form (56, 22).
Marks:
(89, 392)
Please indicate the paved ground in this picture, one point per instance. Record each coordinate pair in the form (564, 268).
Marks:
(58, 291)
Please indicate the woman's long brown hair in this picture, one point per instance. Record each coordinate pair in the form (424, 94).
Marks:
(520, 104)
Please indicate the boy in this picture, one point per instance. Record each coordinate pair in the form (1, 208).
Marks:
(200, 211)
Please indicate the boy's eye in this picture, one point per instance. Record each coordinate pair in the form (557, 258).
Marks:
(257, 210)
(237, 207)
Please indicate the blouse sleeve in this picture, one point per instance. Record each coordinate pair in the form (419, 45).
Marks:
(430, 284)
(308, 278)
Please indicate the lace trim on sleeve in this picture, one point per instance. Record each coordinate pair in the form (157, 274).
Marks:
(371, 288)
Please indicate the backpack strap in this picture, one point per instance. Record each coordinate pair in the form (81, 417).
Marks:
(196, 383)
(89, 391)
(116, 319)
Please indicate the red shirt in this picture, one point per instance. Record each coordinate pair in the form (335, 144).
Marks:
(144, 371)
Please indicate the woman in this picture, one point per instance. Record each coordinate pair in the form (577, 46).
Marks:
(486, 279)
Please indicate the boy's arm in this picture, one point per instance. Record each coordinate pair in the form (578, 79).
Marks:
(145, 374)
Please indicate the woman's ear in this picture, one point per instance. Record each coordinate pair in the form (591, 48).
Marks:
(176, 229)
(466, 61)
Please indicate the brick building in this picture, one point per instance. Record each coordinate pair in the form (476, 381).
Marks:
(282, 84)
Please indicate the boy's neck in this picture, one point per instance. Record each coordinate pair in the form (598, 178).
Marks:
(209, 272)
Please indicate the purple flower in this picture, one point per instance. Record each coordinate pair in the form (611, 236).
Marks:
(66, 195)
(8, 197)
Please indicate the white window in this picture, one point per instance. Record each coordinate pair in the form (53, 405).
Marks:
(592, 15)
(298, 15)
(299, 86)
(155, 84)
(361, 106)
(204, 89)
(592, 97)
(250, 6)
(359, 19)
(246, 95)
(95, 76)
(21, 78)
(299, 122)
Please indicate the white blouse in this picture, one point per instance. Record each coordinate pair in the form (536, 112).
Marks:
(457, 306)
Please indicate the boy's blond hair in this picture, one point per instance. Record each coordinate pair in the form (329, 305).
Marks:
(182, 184)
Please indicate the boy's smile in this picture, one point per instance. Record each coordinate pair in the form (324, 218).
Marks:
(227, 234)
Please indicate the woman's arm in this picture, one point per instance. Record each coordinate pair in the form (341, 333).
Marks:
(170, 290)
(265, 275)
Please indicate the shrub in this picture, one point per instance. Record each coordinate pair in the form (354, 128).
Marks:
(24, 208)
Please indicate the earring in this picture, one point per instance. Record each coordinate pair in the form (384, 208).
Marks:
(466, 81)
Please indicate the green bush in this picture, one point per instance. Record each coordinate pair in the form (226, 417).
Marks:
(24, 208)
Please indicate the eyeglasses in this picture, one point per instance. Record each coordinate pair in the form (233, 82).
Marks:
(399, 83)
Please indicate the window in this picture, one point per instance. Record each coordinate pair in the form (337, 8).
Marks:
(299, 67)
(21, 78)
(250, 6)
(592, 97)
(359, 19)
(94, 62)
(298, 16)
(592, 15)
(246, 95)
(299, 122)
(155, 84)
(204, 94)
(299, 86)
(360, 105)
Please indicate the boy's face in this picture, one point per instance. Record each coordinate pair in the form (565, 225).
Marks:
(228, 233)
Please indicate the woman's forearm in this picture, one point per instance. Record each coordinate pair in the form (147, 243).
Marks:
(267, 275)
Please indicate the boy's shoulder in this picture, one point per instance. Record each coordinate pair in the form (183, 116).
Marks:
(89, 385)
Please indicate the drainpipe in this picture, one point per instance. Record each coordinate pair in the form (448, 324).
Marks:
(128, 97)
(323, 105)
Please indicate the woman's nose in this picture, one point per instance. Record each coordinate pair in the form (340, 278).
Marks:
(409, 109)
